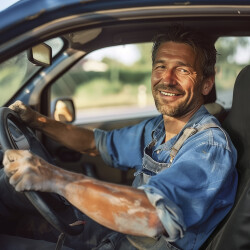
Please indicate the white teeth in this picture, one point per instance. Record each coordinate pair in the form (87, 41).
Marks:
(168, 94)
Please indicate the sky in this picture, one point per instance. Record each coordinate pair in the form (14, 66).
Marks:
(6, 3)
(127, 54)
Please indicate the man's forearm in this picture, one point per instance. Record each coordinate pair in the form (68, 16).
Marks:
(121, 208)
(79, 139)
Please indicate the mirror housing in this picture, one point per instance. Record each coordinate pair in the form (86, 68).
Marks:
(63, 110)
(40, 55)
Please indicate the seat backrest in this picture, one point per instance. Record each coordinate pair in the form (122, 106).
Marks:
(214, 108)
(234, 231)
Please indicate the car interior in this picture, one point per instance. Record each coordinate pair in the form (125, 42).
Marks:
(128, 33)
(233, 231)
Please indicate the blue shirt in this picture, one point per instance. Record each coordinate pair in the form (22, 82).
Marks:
(193, 193)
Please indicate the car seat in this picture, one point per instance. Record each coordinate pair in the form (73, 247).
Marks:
(234, 231)
(214, 108)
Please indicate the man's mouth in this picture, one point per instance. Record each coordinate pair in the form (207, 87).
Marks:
(168, 94)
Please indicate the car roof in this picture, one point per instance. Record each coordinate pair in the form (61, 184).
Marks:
(88, 25)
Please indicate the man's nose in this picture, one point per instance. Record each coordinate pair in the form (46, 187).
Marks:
(168, 76)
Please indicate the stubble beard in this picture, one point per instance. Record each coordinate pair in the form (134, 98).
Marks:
(178, 110)
(165, 109)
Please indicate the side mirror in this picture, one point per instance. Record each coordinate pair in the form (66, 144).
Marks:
(40, 55)
(63, 110)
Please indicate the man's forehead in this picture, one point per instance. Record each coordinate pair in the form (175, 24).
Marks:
(181, 50)
(185, 52)
(176, 46)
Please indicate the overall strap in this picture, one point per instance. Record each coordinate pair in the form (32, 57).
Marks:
(189, 132)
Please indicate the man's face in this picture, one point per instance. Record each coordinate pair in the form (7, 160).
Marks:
(176, 80)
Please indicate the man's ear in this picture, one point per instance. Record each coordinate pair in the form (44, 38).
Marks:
(208, 84)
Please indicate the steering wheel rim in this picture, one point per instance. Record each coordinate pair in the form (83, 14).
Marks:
(36, 198)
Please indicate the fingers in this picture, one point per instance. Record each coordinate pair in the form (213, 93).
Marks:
(17, 106)
(24, 112)
(12, 155)
(20, 180)
(11, 160)
(27, 171)
(17, 167)
(23, 184)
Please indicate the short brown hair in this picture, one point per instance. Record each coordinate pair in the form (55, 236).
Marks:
(202, 45)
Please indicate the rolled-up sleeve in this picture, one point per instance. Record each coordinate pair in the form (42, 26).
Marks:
(170, 215)
(101, 145)
(123, 148)
(199, 188)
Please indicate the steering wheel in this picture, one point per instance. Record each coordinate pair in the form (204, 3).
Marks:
(8, 119)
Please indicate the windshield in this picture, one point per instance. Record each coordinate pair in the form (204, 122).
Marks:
(17, 70)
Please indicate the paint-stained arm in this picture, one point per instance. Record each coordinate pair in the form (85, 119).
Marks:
(121, 208)
(80, 139)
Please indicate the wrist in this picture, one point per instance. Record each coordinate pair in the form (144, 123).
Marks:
(64, 180)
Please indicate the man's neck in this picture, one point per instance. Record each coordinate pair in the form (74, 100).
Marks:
(173, 125)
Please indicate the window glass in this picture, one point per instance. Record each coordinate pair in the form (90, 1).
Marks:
(18, 69)
(109, 83)
(233, 55)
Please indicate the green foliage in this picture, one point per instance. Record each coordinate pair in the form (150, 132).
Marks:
(227, 48)
(227, 67)
(12, 74)
(146, 59)
(226, 75)
(120, 84)
(106, 93)
(134, 76)
(106, 82)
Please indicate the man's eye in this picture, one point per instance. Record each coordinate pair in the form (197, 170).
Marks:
(183, 71)
(160, 67)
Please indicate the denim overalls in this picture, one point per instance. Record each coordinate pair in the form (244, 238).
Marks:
(150, 168)
(136, 147)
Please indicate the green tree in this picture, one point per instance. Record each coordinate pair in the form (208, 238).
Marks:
(145, 59)
(227, 48)
(227, 66)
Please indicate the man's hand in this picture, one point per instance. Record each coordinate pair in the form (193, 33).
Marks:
(29, 172)
(27, 114)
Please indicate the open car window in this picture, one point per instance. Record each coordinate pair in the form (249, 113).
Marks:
(114, 83)
(233, 55)
(110, 83)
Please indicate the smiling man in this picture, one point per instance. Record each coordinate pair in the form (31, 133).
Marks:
(176, 63)
(185, 180)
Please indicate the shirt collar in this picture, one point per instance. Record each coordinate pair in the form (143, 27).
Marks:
(194, 121)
